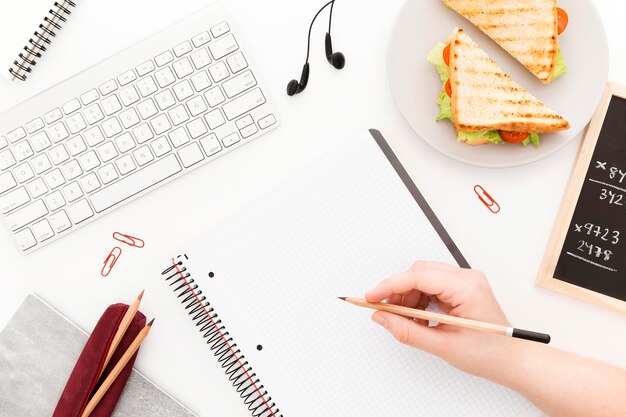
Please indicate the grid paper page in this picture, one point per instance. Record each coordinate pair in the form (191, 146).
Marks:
(337, 231)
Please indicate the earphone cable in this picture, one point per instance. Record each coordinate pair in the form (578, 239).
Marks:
(308, 47)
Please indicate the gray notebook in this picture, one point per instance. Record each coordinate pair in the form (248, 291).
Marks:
(38, 350)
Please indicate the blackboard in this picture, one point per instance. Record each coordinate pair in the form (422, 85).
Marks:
(586, 256)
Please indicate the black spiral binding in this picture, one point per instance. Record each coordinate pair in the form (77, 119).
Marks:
(232, 360)
(41, 37)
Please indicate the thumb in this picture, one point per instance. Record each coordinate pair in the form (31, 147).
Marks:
(408, 332)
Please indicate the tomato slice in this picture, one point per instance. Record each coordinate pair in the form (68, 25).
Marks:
(449, 88)
(446, 54)
(513, 137)
(562, 18)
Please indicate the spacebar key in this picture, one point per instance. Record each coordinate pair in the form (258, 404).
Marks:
(135, 183)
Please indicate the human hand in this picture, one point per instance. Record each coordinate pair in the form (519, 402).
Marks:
(458, 292)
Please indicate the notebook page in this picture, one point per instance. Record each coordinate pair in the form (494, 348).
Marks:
(21, 20)
(338, 230)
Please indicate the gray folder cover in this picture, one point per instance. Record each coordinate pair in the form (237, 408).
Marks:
(38, 350)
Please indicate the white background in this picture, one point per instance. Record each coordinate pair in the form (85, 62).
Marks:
(336, 105)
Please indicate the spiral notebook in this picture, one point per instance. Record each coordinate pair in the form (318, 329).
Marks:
(262, 291)
(33, 27)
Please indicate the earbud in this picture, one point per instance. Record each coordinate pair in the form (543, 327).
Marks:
(294, 87)
(337, 59)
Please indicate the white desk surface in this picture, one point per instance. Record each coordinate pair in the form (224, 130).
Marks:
(337, 104)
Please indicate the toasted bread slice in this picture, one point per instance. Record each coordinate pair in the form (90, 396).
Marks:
(527, 29)
(484, 97)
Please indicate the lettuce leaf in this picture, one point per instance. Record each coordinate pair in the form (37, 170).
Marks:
(445, 106)
(560, 66)
(435, 57)
(492, 136)
(532, 138)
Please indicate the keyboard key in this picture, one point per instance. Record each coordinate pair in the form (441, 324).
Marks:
(219, 71)
(54, 179)
(76, 145)
(13, 200)
(7, 181)
(160, 146)
(94, 114)
(146, 86)
(127, 77)
(111, 105)
(60, 222)
(160, 124)
(200, 80)
(23, 172)
(164, 77)
(89, 161)
(53, 115)
(42, 230)
(107, 151)
(244, 104)
(230, 140)
(76, 123)
(125, 164)
(182, 68)
(107, 174)
(72, 192)
(55, 201)
(224, 46)
(71, 170)
(6, 159)
(214, 119)
(178, 115)
(58, 154)
(26, 215)
(90, 182)
(25, 239)
(190, 155)
(40, 141)
(201, 38)
(164, 58)
(244, 121)
(129, 95)
(135, 183)
(200, 58)
(93, 136)
(16, 134)
(37, 188)
(165, 99)
(125, 142)
(220, 29)
(196, 128)
(41, 163)
(107, 87)
(90, 96)
(147, 109)
(248, 131)
(182, 90)
(237, 62)
(35, 125)
(182, 48)
(179, 137)
(71, 106)
(196, 106)
(3, 142)
(111, 127)
(144, 68)
(57, 132)
(129, 118)
(239, 84)
(23, 150)
(211, 144)
(142, 133)
(143, 155)
(214, 96)
(80, 211)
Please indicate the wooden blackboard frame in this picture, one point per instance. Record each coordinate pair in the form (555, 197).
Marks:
(545, 278)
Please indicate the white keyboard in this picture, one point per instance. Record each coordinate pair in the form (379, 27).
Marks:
(121, 128)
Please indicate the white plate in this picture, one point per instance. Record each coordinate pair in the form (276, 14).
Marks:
(416, 84)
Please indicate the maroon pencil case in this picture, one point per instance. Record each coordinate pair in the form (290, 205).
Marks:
(84, 380)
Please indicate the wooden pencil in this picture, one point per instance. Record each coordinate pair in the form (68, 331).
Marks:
(121, 330)
(106, 384)
(451, 320)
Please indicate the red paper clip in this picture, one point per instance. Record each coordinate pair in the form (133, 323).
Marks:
(110, 261)
(129, 240)
(487, 199)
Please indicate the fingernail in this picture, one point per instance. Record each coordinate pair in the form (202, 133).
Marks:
(380, 320)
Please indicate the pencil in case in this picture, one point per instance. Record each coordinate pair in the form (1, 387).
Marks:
(84, 380)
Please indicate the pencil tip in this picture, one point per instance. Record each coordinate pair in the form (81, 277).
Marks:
(141, 295)
(150, 324)
(342, 298)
